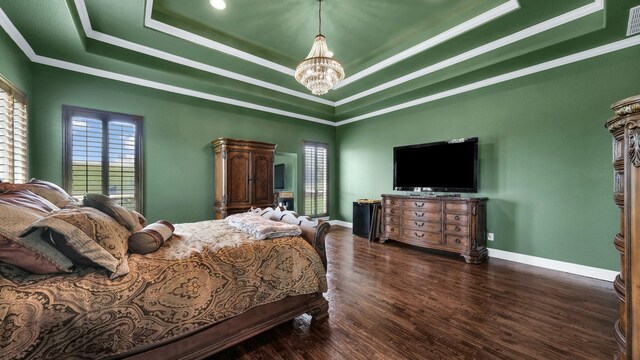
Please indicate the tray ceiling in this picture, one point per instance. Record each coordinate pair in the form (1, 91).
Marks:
(396, 54)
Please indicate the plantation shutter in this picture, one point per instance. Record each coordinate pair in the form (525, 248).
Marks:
(315, 179)
(103, 155)
(122, 165)
(13, 134)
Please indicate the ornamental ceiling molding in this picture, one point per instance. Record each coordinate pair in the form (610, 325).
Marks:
(597, 5)
(15, 35)
(455, 31)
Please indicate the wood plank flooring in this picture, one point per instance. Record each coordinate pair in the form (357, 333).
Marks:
(394, 301)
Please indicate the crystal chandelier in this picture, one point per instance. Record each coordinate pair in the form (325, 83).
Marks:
(319, 72)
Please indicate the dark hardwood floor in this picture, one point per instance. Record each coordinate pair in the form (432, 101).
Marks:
(394, 301)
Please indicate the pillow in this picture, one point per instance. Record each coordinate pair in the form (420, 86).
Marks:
(109, 207)
(27, 199)
(33, 254)
(141, 219)
(151, 237)
(47, 190)
(29, 253)
(87, 237)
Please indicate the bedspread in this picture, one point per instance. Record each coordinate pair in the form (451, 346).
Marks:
(86, 315)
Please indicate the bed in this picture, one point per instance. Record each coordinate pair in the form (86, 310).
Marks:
(188, 291)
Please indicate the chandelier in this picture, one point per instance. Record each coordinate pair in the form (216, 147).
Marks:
(319, 72)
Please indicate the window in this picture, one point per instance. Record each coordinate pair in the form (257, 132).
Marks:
(103, 154)
(13, 134)
(316, 191)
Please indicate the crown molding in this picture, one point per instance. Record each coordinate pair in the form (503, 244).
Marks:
(569, 59)
(597, 5)
(565, 18)
(443, 37)
(112, 40)
(447, 35)
(22, 43)
(211, 44)
(15, 35)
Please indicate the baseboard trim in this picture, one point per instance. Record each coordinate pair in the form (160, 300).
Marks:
(577, 269)
(341, 223)
(571, 268)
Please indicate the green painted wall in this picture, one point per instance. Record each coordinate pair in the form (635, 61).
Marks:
(545, 157)
(178, 162)
(14, 65)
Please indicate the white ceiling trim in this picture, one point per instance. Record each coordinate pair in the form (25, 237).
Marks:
(112, 40)
(569, 59)
(565, 18)
(455, 31)
(22, 43)
(481, 19)
(15, 35)
(203, 41)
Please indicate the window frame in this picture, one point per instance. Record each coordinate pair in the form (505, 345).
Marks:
(316, 145)
(68, 112)
(16, 95)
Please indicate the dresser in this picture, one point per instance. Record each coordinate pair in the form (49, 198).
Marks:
(625, 128)
(243, 175)
(452, 224)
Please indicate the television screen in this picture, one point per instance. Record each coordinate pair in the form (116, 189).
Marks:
(447, 166)
(278, 177)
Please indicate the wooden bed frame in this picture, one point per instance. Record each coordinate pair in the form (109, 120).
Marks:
(209, 340)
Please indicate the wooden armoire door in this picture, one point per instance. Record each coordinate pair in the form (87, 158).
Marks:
(238, 178)
(262, 177)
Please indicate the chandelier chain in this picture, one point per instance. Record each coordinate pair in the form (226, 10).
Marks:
(320, 17)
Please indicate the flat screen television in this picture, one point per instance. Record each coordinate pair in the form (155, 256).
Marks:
(278, 177)
(444, 166)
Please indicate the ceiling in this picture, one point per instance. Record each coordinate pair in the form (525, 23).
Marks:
(396, 54)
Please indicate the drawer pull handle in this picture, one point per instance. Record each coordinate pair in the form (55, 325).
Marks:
(457, 228)
(418, 235)
(457, 217)
(392, 211)
(419, 224)
(419, 214)
(458, 241)
(392, 229)
(419, 204)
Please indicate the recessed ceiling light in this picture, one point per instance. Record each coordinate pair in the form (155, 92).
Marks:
(218, 4)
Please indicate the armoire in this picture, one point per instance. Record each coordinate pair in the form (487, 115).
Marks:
(625, 128)
(243, 175)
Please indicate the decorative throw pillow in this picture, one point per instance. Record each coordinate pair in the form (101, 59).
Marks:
(105, 204)
(29, 253)
(27, 199)
(88, 237)
(141, 219)
(151, 237)
(33, 254)
(47, 190)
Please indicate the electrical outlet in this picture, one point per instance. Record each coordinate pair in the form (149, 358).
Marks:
(490, 236)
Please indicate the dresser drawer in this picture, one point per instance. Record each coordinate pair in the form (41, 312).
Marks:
(391, 202)
(418, 237)
(391, 220)
(422, 205)
(421, 215)
(456, 219)
(392, 231)
(456, 242)
(421, 225)
(456, 206)
(392, 211)
(456, 229)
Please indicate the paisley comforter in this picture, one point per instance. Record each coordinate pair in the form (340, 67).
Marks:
(208, 274)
